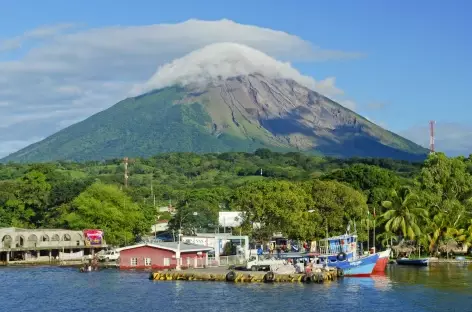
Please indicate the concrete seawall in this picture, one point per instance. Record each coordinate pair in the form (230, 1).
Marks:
(244, 277)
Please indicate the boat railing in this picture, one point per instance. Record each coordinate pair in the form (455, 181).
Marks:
(334, 249)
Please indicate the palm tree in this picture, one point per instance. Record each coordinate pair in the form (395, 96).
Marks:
(404, 213)
(437, 229)
(387, 238)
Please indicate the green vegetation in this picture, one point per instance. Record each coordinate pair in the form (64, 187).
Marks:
(164, 121)
(300, 195)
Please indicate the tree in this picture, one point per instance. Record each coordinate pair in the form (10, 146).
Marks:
(32, 197)
(444, 179)
(404, 213)
(106, 207)
(365, 177)
(272, 206)
(338, 204)
(197, 210)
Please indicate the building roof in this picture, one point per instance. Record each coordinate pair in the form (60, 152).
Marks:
(172, 246)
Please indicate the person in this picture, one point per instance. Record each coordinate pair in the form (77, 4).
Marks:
(259, 252)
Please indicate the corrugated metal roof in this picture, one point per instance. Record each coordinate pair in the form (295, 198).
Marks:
(172, 246)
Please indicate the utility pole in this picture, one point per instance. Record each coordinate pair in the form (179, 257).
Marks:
(153, 196)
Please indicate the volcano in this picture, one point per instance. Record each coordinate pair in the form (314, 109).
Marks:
(224, 97)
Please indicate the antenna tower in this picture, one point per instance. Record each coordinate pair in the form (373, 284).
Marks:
(431, 136)
(125, 162)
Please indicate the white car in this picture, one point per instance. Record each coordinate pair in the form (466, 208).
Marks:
(110, 255)
(255, 264)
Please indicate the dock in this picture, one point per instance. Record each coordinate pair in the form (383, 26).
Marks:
(234, 276)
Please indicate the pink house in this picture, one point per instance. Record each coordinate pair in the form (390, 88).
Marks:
(163, 256)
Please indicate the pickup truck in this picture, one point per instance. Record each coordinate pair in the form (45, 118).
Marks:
(109, 255)
(255, 264)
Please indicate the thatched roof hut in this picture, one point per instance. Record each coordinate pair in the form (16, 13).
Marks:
(407, 247)
(452, 246)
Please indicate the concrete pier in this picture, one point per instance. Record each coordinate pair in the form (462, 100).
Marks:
(233, 276)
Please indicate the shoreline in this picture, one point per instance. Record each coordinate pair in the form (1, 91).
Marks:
(64, 263)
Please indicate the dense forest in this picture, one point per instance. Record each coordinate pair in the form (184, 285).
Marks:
(429, 203)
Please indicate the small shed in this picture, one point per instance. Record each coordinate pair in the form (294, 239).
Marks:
(163, 256)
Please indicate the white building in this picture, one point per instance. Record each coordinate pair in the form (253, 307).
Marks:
(232, 219)
(218, 242)
(161, 226)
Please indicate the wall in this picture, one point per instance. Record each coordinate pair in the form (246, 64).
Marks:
(157, 258)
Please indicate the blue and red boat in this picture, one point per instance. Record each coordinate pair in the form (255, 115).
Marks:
(341, 252)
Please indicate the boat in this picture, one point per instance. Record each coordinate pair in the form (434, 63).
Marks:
(382, 261)
(415, 262)
(341, 252)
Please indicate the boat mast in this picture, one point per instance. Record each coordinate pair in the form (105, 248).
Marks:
(368, 232)
(373, 244)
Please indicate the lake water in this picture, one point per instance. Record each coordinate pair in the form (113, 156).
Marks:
(439, 287)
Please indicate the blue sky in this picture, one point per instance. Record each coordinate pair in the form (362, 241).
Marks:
(416, 63)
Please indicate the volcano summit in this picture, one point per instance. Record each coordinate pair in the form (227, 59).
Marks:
(223, 97)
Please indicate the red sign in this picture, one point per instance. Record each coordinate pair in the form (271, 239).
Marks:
(93, 237)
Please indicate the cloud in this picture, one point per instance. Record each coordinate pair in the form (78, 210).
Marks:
(42, 32)
(223, 60)
(451, 138)
(10, 44)
(349, 104)
(67, 74)
(375, 105)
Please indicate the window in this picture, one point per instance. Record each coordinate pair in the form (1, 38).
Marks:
(147, 261)
(166, 262)
(134, 261)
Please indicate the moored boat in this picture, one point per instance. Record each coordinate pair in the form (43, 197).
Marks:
(341, 252)
(415, 262)
(362, 267)
(382, 261)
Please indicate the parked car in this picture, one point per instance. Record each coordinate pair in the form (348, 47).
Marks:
(109, 255)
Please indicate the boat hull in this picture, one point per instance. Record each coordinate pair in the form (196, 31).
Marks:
(359, 268)
(414, 262)
(382, 262)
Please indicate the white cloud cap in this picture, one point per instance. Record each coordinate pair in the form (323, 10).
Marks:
(224, 60)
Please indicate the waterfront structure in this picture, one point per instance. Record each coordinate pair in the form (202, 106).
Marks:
(218, 241)
(163, 255)
(321, 276)
(48, 245)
